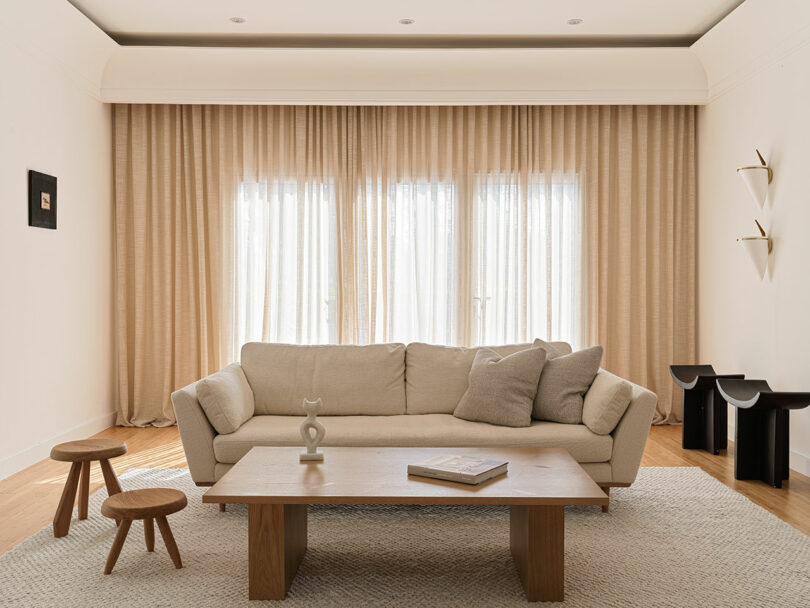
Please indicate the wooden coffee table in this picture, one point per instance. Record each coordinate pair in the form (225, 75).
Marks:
(277, 490)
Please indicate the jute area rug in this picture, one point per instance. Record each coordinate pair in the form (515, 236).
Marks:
(677, 537)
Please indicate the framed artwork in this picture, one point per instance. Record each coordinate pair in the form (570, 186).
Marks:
(41, 200)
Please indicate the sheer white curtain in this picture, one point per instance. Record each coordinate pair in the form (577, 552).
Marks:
(285, 287)
(527, 257)
(415, 255)
(523, 270)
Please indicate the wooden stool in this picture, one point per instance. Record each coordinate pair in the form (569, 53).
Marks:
(81, 453)
(148, 505)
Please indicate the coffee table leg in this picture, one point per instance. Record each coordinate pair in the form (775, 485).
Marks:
(536, 538)
(277, 541)
(61, 521)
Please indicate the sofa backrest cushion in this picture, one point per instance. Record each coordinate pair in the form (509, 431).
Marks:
(226, 398)
(436, 377)
(351, 380)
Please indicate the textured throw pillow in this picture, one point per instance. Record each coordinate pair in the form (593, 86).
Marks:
(226, 398)
(501, 389)
(565, 379)
(605, 403)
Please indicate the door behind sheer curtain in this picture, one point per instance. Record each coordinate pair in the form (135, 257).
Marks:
(285, 287)
(522, 265)
(527, 256)
(412, 231)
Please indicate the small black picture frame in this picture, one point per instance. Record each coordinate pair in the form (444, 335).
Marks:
(41, 200)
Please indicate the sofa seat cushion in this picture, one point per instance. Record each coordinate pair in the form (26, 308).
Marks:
(436, 377)
(427, 430)
(351, 380)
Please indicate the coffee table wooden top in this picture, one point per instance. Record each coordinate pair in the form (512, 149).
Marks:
(273, 475)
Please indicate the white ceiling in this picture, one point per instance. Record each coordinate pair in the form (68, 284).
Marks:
(198, 21)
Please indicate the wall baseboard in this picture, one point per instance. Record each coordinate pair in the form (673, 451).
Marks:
(17, 462)
(798, 462)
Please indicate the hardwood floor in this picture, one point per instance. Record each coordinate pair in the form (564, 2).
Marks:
(28, 499)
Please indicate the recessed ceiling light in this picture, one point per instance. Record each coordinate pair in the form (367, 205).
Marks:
(405, 21)
(238, 19)
(574, 21)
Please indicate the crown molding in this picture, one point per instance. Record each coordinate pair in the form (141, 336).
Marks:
(752, 38)
(404, 76)
(56, 36)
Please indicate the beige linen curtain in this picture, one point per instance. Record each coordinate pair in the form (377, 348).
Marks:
(179, 170)
(173, 173)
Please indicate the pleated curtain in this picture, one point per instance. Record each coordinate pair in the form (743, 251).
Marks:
(531, 221)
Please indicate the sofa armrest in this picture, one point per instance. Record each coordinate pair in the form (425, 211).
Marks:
(196, 433)
(630, 435)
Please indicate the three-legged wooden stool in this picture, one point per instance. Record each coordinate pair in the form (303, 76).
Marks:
(81, 453)
(149, 505)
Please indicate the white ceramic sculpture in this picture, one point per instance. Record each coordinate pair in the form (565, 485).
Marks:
(312, 431)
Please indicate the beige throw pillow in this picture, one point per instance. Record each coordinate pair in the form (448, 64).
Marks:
(501, 389)
(565, 379)
(605, 403)
(226, 398)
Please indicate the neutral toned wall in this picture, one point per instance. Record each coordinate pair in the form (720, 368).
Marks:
(747, 325)
(56, 350)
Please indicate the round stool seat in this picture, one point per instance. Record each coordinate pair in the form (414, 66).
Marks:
(88, 449)
(144, 504)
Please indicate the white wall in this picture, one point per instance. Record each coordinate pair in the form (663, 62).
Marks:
(747, 325)
(56, 321)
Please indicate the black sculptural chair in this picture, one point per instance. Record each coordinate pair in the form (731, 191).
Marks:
(705, 413)
(762, 438)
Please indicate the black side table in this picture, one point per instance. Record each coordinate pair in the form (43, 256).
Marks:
(705, 413)
(762, 438)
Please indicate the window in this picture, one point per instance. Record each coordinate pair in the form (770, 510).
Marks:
(526, 259)
(503, 269)
(413, 247)
(286, 263)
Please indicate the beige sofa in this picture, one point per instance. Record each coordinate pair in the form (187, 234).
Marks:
(389, 395)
